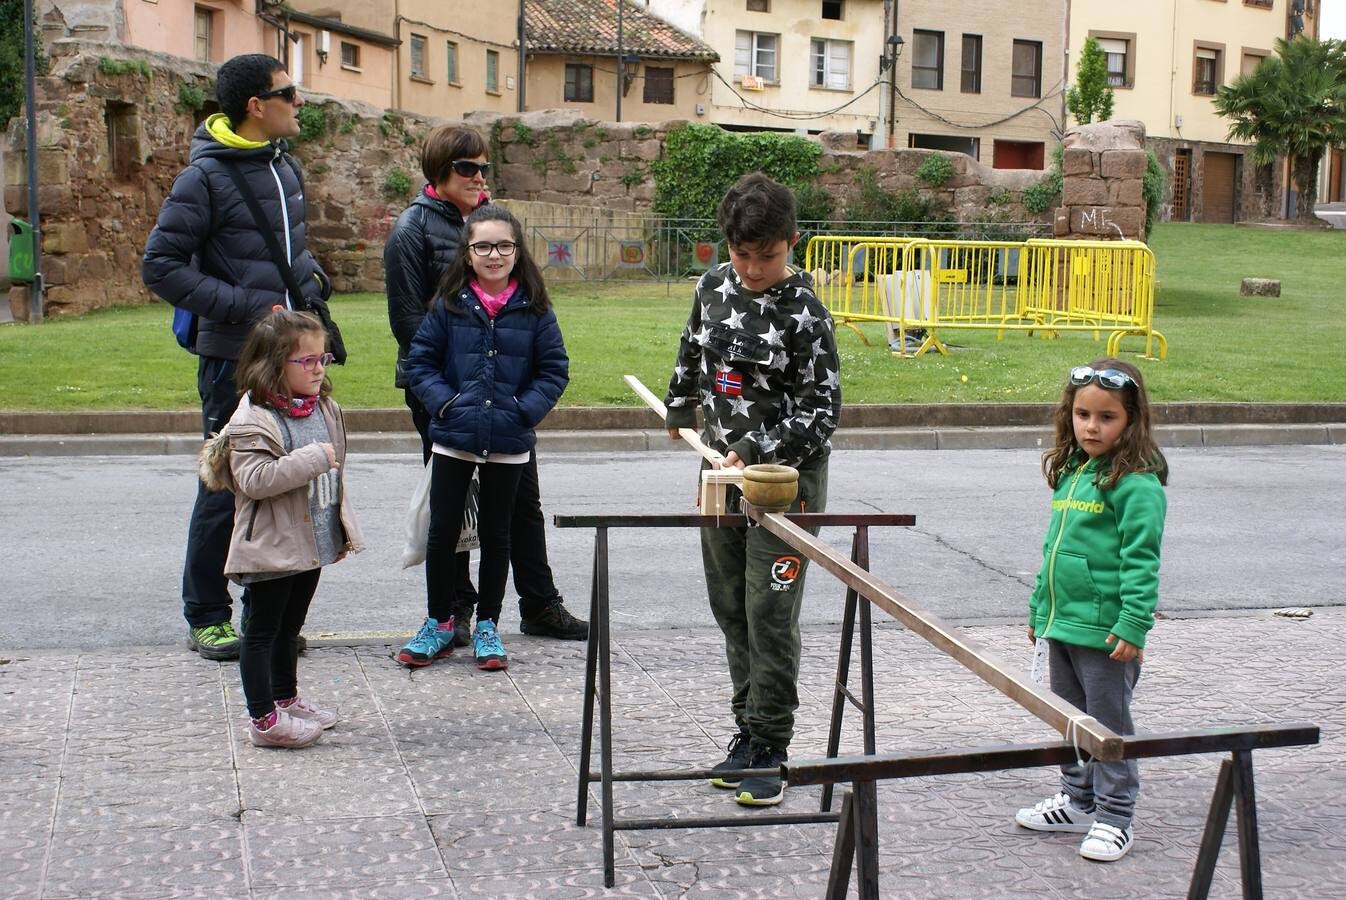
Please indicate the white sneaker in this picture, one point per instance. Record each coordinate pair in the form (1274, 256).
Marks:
(287, 731)
(1105, 842)
(300, 708)
(1055, 814)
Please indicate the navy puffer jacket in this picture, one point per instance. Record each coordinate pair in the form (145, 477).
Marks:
(487, 384)
(206, 255)
(416, 255)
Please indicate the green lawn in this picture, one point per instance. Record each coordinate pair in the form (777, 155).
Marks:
(1221, 346)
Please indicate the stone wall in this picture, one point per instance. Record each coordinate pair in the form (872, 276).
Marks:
(115, 128)
(1102, 168)
(1257, 190)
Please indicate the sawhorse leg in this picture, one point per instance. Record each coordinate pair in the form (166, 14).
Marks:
(858, 840)
(1235, 782)
(599, 663)
(840, 693)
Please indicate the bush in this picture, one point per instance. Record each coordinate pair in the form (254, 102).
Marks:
(396, 184)
(190, 98)
(701, 162)
(1038, 198)
(1152, 188)
(109, 66)
(935, 171)
(871, 203)
(312, 122)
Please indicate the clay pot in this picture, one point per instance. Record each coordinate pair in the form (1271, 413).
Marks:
(770, 487)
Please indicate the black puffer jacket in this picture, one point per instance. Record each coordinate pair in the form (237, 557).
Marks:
(423, 242)
(206, 255)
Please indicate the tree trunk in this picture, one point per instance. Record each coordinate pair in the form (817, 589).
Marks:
(1306, 184)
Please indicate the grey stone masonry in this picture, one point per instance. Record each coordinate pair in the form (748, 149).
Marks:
(1260, 287)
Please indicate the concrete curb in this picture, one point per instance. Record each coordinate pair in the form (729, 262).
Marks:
(639, 440)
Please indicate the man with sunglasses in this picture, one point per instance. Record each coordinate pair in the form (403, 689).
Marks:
(207, 255)
(424, 240)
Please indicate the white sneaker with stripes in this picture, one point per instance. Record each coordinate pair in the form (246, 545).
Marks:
(1105, 842)
(1055, 814)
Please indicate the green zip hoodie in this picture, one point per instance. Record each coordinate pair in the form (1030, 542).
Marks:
(1100, 567)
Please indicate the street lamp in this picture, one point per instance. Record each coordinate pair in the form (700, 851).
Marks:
(888, 63)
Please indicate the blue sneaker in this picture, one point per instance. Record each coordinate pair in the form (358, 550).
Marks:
(487, 646)
(434, 641)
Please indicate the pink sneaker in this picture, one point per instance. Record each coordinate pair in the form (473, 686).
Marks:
(300, 708)
(287, 731)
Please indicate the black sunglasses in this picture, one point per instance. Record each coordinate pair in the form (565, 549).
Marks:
(286, 93)
(469, 169)
(1112, 379)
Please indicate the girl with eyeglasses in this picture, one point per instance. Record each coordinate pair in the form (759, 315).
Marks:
(488, 363)
(282, 454)
(1098, 587)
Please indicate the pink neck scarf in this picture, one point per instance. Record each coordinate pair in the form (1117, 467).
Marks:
(495, 303)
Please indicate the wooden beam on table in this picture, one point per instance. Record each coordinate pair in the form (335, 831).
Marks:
(713, 499)
(1088, 733)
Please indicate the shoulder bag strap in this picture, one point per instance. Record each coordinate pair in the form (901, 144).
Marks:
(268, 234)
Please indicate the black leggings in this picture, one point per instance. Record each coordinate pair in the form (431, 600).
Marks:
(448, 493)
(268, 659)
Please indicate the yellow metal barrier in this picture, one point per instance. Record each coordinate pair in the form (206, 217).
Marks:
(838, 262)
(915, 285)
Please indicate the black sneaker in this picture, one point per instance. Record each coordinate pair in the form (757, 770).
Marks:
(737, 759)
(462, 627)
(763, 790)
(555, 621)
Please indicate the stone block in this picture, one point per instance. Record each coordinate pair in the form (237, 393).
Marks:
(1107, 221)
(19, 307)
(646, 150)
(60, 238)
(1117, 134)
(56, 270)
(1123, 163)
(93, 267)
(1077, 161)
(1260, 287)
(1125, 192)
(1061, 222)
(1084, 192)
(332, 231)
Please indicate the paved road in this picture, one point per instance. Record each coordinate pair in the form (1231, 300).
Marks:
(91, 549)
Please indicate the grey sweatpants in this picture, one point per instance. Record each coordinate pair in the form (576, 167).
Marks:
(1102, 687)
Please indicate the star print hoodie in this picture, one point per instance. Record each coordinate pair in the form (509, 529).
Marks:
(762, 366)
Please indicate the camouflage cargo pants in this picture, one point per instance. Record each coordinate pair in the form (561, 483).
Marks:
(756, 584)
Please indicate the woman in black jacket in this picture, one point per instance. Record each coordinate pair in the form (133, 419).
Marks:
(422, 243)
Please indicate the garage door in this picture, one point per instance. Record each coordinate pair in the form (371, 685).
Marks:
(1217, 196)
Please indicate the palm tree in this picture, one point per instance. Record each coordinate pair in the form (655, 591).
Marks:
(1293, 104)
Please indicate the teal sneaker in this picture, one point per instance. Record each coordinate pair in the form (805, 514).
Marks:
(489, 649)
(218, 642)
(434, 641)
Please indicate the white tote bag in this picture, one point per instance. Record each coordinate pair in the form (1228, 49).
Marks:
(418, 519)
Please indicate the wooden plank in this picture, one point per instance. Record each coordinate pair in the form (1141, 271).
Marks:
(687, 434)
(1088, 733)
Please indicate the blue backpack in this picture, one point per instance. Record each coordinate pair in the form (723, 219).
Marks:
(184, 328)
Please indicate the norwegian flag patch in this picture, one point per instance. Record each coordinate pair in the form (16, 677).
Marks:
(729, 383)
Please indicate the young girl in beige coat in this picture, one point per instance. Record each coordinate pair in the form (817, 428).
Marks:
(282, 455)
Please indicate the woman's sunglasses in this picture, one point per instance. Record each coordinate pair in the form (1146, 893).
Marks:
(1112, 379)
(286, 93)
(469, 169)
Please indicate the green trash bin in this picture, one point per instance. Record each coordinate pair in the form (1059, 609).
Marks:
(21, 251)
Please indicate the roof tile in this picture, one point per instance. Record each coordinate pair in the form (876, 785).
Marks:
(590, 27)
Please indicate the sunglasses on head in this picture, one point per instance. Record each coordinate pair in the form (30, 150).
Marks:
(1112, 379)
(286, 93)
(469, 169)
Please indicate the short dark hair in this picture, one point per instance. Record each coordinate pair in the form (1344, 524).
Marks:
(446, 144)
(757, 210)
(242, 78)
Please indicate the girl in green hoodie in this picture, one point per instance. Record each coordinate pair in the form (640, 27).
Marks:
(1098, 587)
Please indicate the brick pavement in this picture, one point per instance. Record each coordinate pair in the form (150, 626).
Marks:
(127, 773)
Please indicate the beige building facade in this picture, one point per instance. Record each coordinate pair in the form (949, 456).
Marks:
(573, 63)
(982, 79)
(1166, 61)
(986, 79)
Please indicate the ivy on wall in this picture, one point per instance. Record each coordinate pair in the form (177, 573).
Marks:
(701, 162)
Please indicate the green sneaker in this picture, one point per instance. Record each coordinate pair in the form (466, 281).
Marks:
(214, 641)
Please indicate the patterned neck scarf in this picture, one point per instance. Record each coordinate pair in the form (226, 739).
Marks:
(295, 407)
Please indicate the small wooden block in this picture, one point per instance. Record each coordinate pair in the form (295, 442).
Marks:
(713, 494)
